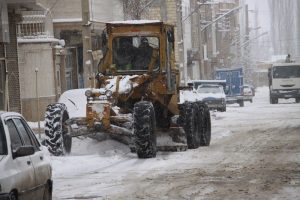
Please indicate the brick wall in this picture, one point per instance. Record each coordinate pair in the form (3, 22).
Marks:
(154, 13)
(12, 67)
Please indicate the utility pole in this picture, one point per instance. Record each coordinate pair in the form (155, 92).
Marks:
(247, 72)
(200, 50)
(163, 11)
(180, 41)
(86, 42)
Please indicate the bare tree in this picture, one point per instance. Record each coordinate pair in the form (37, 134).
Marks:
(285, 21)
(135, 9)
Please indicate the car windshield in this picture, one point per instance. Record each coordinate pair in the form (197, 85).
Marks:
(286, 72)
(3, 149)
(136, 53)
(214, 90)
(247, 88)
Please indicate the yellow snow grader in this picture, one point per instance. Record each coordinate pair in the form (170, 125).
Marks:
(136, 99)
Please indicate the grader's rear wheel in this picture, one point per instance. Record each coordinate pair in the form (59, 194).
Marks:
(204, 125)
(195, 120)
(190, 125)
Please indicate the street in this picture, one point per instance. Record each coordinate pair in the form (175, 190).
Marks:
(254, 154)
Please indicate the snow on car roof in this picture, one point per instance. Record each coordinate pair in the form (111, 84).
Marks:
(5, 113)
(135, 22)
(285, 64)
(207, 81)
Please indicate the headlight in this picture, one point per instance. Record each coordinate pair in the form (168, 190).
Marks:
(108, 93)
(88, 93)
(128, 88)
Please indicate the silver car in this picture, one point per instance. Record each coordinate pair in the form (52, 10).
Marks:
(213, 96)
(25, 171)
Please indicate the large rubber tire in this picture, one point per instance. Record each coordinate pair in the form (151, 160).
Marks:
(222, 109)
(204, 124)
(241, 103)
(273, 100)
(190, 124)
(144, 129)
(58, 141)
(13, 195)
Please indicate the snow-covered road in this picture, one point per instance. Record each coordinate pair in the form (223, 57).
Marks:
(254, 154)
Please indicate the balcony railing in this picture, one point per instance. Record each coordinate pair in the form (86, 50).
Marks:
(32, 25)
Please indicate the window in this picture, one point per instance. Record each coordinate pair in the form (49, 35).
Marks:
(23, 133)
(286, 72)
(14, 135)
(26, 135)
(214, 90)
(3, 147)
(32, 136)
(136, 53)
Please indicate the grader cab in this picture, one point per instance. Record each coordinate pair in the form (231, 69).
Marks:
(136, 98)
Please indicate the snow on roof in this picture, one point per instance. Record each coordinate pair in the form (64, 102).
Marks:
(208, 81)
(135, 22)
(38, 40)
(278, 58)
(67, 20)
(285, 64)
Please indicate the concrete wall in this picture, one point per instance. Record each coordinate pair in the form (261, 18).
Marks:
(154, 13)
(32, 56)
(100, 10)
(66, 9)
(106, 10)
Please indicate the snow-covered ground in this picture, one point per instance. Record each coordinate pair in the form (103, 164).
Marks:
(254, 154)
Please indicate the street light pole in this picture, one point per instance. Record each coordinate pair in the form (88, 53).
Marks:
(38, 101)
(86, 42)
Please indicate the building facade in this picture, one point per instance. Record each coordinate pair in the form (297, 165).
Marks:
(211, 34)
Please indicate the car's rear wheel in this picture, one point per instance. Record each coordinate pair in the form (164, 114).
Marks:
(241, 103)
(47, 192)
(273, 100)
(13, 195)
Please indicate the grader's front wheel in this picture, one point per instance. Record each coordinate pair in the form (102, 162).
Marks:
(58, 141)
(144, 129)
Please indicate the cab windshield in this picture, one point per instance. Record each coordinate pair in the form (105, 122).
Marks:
(286, 72)
(214, 90)
(136, 53)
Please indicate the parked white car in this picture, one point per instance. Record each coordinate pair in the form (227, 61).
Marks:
(248, 93)
(213, 96)
(25, 171)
